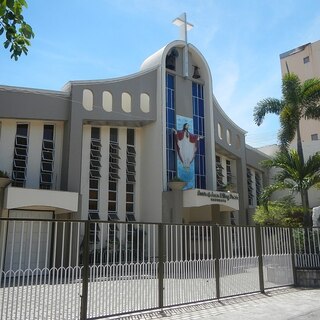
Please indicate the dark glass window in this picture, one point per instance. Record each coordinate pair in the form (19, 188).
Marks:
(198, 126)
(130, 137)
(48, 131)
(22, 129)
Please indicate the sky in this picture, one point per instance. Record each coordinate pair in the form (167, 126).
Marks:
(100, 39)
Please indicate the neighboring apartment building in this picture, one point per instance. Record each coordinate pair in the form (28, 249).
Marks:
(107, 149)
(304, 61)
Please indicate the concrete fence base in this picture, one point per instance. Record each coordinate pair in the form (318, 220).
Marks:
(309, 278)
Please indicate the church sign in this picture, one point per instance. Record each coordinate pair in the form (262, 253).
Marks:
(199, 197)
(218, 196)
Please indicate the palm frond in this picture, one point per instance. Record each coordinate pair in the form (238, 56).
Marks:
(289, 120)
(291, 89)
(265, 106)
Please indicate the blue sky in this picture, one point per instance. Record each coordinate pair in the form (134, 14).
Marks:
(100, 39)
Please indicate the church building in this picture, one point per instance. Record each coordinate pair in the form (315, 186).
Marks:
(111, 149)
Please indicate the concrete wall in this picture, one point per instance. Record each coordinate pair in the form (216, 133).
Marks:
(308, 278)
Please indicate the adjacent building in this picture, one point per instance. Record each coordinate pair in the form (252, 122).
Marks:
(304, 61)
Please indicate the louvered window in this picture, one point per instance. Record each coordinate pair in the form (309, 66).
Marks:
(20, 156)
(47, 157)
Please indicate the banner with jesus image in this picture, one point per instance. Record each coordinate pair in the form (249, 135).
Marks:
(186, 146)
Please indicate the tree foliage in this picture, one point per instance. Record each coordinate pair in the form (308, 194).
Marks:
(281, 213)
(12, 24)
(299, 101)
(294, 175)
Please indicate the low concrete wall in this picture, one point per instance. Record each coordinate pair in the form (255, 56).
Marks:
(309, 278)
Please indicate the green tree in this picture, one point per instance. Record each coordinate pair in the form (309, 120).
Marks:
(299, 101)
(294, 175)
(280, 213)
(17, 32)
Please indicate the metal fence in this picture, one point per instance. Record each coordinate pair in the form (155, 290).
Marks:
(307, 247)
(89, 269)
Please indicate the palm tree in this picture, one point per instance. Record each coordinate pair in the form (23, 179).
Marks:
(299, 100)
(294, 175)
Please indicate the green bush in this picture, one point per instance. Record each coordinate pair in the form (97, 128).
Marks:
(281, 213)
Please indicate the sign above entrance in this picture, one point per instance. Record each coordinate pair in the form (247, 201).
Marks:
(199, 197)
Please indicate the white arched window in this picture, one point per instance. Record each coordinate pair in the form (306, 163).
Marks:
(87, 99)
(145, 102)
(107, 101)
(126, 102)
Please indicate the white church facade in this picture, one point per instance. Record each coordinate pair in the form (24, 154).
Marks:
(107, 149)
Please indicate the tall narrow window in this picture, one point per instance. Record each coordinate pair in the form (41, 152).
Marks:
(131, 175)
(94, 183)
(258, 186)
(113, 174)
(250, 186)
(219, 172)
(198, 128)
(20, 157)
(47, 157)
(170, 124)
(229, 173)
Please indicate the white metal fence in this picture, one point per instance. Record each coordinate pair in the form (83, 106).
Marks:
(307, 247)
(89, 269)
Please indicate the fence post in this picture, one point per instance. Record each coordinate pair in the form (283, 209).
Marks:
(217, 254)
(85, 272)
(161, 263)
(260, 261)
(292, 250)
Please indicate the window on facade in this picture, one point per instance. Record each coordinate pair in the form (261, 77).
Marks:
(20, 156)
(198, 128)
(229, 172)
(113, 177)
(314, 137)
(131, 175)
(107, 101)
(114, 155)
(87, 99)
(258, 186)
(170, 124)
(219, 173)
(228, 137)
(145, 102)
(306, 59)
(126, 102)
(94, 183)
(250, 187)
(219, 131)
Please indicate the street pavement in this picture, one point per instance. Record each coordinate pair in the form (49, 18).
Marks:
(277, 304)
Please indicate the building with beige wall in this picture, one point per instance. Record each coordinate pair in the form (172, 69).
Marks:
(304, 61)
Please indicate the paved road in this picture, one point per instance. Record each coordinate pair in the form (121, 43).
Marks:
(279, 304)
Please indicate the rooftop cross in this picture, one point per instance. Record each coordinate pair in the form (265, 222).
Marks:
(184, 25)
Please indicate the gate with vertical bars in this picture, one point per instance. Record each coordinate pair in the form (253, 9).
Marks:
(75, 269)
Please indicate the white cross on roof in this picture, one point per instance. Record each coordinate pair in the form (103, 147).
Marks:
(184, 26)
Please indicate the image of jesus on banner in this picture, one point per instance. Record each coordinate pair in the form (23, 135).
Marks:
(186, 144)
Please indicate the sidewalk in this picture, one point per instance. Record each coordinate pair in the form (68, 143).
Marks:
(278, 304)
